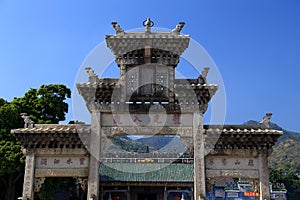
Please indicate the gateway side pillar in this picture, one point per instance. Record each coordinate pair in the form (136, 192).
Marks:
(199, 161)
(264, 177)
(93, 178)
(28, 185)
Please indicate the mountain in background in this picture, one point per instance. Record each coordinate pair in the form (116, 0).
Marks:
(286, 152)
(168, 144)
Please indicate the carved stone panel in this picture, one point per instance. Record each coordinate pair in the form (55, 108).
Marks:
(152, 119)
(61, 162)
(146, 81)
(61, 172)
(132, 80)
(235, 163)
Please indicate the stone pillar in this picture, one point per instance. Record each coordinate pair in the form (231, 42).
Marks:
(264, 177)
(93, 179)
(165, 193)
(28, 185)
(199, 162)
(128, 195)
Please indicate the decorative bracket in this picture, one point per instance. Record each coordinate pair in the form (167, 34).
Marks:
(38, 182)
(83, 183)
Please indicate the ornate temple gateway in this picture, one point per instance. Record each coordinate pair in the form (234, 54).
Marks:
(148, 100)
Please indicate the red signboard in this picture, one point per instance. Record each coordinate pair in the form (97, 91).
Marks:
(251, 194)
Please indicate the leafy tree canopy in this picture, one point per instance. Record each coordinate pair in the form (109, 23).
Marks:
(44, 105)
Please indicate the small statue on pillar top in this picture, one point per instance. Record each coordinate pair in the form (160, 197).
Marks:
(265, 123)
(203, 75)
(93, 77)
(117, 27)
(28, 122)
(178, 28)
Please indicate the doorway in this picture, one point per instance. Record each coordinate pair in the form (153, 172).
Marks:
(147, 196)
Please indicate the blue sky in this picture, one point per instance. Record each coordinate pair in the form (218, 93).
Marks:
(255, 45)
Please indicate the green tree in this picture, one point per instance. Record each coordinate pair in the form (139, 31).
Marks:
(290, 179)
(44, 105)
(51, 185)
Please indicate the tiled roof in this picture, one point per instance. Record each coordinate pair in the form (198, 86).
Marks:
(240, 137)
(73, 128)
(156, 172)
(240, 129)
(52, 136)
(102, 82)
(142, 35)
(48, 128)
(112, 84)
(124, 43)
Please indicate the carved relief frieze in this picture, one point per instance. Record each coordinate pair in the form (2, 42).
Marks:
(61, 172)
(59, 162)
(232, 173)
(155, 119)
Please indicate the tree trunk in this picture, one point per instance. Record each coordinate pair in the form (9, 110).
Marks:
(9, 182)
(3, 185)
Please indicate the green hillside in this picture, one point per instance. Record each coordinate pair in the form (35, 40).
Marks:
(286, 152)
(170, 144)
(286, 155)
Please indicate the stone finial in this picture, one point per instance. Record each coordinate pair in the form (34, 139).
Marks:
(148, 24)
(28, 122)
(117, 27)
(178, 28)
(266, 120)
(90, 71)
(93, 77)
(203, 75)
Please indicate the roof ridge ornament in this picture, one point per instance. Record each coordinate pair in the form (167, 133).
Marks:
(203, 75)
(148, 24)
(266, 120)
(28, 122)
(118, 28)
(93, 77)
(178, 28)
